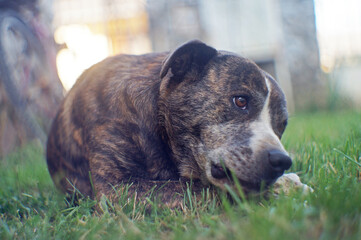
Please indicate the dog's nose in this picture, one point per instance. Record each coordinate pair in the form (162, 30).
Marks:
(279, 161)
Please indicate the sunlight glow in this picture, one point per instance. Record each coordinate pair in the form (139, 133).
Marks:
(339, 30)
(84, 49)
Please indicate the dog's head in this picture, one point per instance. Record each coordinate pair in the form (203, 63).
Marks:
(222, 115)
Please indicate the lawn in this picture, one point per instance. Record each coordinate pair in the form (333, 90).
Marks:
(326, 148)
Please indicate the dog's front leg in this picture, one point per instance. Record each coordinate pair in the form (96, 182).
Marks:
(168, 193)
(117, 158)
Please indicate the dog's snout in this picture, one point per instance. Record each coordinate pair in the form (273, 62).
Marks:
(279, 161)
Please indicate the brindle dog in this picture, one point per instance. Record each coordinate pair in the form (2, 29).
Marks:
(196, 113)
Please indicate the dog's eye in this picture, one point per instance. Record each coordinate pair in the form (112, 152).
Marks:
(240, 102)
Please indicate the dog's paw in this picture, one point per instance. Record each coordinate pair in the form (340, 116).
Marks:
(290, 181)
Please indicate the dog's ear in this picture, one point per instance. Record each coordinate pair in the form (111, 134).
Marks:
(191, 54)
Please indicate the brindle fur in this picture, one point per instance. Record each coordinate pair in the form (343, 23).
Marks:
(161, 117)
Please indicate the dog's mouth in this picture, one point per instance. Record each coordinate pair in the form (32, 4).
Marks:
(224, 175)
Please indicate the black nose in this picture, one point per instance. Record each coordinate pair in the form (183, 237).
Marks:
(279, 161)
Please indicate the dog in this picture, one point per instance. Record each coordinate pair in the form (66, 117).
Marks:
(195, 114)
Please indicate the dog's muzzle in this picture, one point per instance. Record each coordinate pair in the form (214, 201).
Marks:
(277, 162)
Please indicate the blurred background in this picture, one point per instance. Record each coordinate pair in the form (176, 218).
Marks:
(312, 47)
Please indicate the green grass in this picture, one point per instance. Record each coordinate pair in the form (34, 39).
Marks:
(326, 148)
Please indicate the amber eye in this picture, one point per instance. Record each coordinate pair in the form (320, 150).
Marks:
(240, 102)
